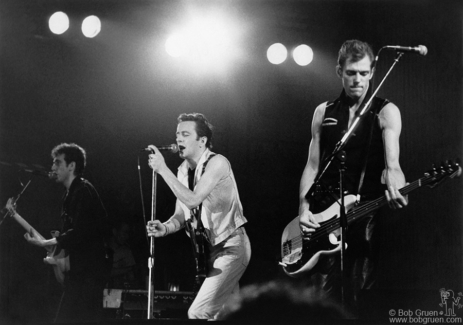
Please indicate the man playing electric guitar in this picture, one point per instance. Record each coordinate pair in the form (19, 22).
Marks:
(56, 256)
(372, 169)
(83, 236)
(206, 180)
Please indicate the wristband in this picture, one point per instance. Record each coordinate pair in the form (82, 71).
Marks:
(167, 229)
(172, 226)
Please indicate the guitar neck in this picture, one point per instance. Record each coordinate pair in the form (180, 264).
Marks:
(26, 225)
(363, 210)
(431, 179)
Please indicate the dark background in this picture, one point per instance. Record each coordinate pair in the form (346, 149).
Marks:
(120, 91)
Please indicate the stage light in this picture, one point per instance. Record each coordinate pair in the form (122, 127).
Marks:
(58, 23)
(202, 38)
(206, 41)
(176, 46)
(277, 53)
(91, 26)
(303, 55)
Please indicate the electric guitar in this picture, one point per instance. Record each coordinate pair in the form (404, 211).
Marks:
(56, 256)
(195, 230)
(300, 256)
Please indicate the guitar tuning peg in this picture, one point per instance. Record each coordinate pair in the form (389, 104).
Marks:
(450, 165)
(445, 167)
(442, 165)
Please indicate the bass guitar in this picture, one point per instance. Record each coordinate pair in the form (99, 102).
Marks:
(56, 256)
(300, 256)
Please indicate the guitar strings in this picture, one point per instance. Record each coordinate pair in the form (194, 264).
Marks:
(334, 223)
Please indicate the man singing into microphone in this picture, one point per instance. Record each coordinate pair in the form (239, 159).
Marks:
(206, 179)
(372, 170)
(83, 236)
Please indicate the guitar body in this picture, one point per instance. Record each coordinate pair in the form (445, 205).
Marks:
(59, 259)
(300, 256)
(56, 256)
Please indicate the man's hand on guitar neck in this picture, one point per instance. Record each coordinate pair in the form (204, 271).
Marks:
(11, 205)
(31, 236)
(37, 241)
(394, 180)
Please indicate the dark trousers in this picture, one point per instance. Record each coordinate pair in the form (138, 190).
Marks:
(82, 300)
(360, 266)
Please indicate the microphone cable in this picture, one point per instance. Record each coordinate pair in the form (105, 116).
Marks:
(141, 196)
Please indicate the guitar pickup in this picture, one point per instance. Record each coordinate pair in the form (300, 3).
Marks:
(288, 246)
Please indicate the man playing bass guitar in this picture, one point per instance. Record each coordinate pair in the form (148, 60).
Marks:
(205, 183)
(372, 169)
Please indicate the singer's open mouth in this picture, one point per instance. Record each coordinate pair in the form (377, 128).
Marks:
(181, 148)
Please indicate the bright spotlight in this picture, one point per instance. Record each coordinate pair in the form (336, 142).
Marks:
(205, 38)
(175, 46)
(58, 23)
(208, 38)
(277, 53)
(207, 41)
(303, 55)
(91, 26)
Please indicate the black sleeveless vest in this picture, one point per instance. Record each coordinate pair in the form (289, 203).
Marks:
(334, 126)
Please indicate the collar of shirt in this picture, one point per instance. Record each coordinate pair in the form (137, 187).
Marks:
(183, 168)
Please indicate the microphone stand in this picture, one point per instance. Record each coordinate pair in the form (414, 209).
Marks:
(151, 257)
(338, 153)
(341, 156)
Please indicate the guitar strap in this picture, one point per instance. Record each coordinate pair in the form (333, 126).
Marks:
(199, 208)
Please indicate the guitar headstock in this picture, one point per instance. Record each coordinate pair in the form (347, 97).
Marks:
(447, 169)
(11, 205)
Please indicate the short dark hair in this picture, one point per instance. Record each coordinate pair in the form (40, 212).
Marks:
(203, 127)
(355, 50)
(72, 153)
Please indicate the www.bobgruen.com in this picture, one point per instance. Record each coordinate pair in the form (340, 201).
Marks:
(421, 317)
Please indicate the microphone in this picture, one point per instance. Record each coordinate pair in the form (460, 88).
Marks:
(39, 172)
(173, 148)
(420, 49)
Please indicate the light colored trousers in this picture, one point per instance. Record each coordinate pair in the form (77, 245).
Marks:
(227, 263)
